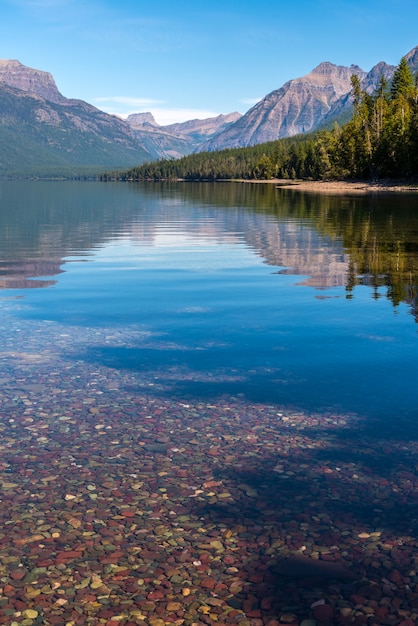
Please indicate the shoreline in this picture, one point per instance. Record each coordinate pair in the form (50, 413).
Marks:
(344, 187)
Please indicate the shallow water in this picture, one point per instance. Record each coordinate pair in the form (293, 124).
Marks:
(197, 382)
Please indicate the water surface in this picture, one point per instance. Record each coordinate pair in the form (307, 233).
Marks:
(242, 290)
(197, 382)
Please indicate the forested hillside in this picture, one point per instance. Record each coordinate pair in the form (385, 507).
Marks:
(380, 141)
(42, 133)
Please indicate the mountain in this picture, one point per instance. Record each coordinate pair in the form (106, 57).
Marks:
(44, 133)
(342, 109)
(201, 130)
(138, 120)
(412, 58)
(177, 140)
(33, 81)
(303, 104)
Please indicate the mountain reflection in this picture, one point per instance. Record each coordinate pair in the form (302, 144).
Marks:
(328, 241)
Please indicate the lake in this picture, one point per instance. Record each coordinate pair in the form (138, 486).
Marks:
(269, 294)
(182, 357)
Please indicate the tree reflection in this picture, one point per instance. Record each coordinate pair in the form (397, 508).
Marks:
(379, 232)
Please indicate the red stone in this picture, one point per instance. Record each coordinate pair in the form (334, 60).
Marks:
(8, 590)
(357, 599)
(106, 613)
(256, 577)
(396, 577)
(19, 605)
(247, 606)
(323, 612)
(19, 573)
(44, 563)
(148, 554)
(68, 555)
(111, 558)
(208, 583)
(89, 598)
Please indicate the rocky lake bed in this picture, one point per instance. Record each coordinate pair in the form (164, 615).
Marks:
(122, 504)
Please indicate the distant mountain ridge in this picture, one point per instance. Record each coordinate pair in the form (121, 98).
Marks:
(176, 140)
(301, 105)
(43, 131)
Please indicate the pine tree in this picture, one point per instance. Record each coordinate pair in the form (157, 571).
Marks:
(403, 81)
(398, 134)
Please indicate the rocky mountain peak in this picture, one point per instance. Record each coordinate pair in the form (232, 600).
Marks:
(176, 140)
(29, 99)
(371, 80)
(329, 75)
(303, 104)
(138, 120)
(35, 82)
(299, 106)
(208, 126)
(324, 68)
(412, 58)
(329, 69)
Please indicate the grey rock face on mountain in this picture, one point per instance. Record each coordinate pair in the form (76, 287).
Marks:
(160, 144)
(40, 128)
(341, 110)
(371, 80)
(42, 131)
(36, 82)
(412, 58)
(176, 140)
(203, 129)
(295, 108)
(302, 105)
(155, 139)
(33, 111)
(139, 120)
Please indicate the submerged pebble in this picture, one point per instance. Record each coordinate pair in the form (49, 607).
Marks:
(137, 508)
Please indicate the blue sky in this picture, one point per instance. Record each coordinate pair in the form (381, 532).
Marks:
(193, 59)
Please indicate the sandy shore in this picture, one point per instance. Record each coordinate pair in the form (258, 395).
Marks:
(344, 187)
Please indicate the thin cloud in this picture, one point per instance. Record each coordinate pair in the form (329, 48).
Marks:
(122, 106)
(127, 101)
(174, 116)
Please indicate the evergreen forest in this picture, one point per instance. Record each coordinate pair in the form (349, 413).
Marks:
(379, 141)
